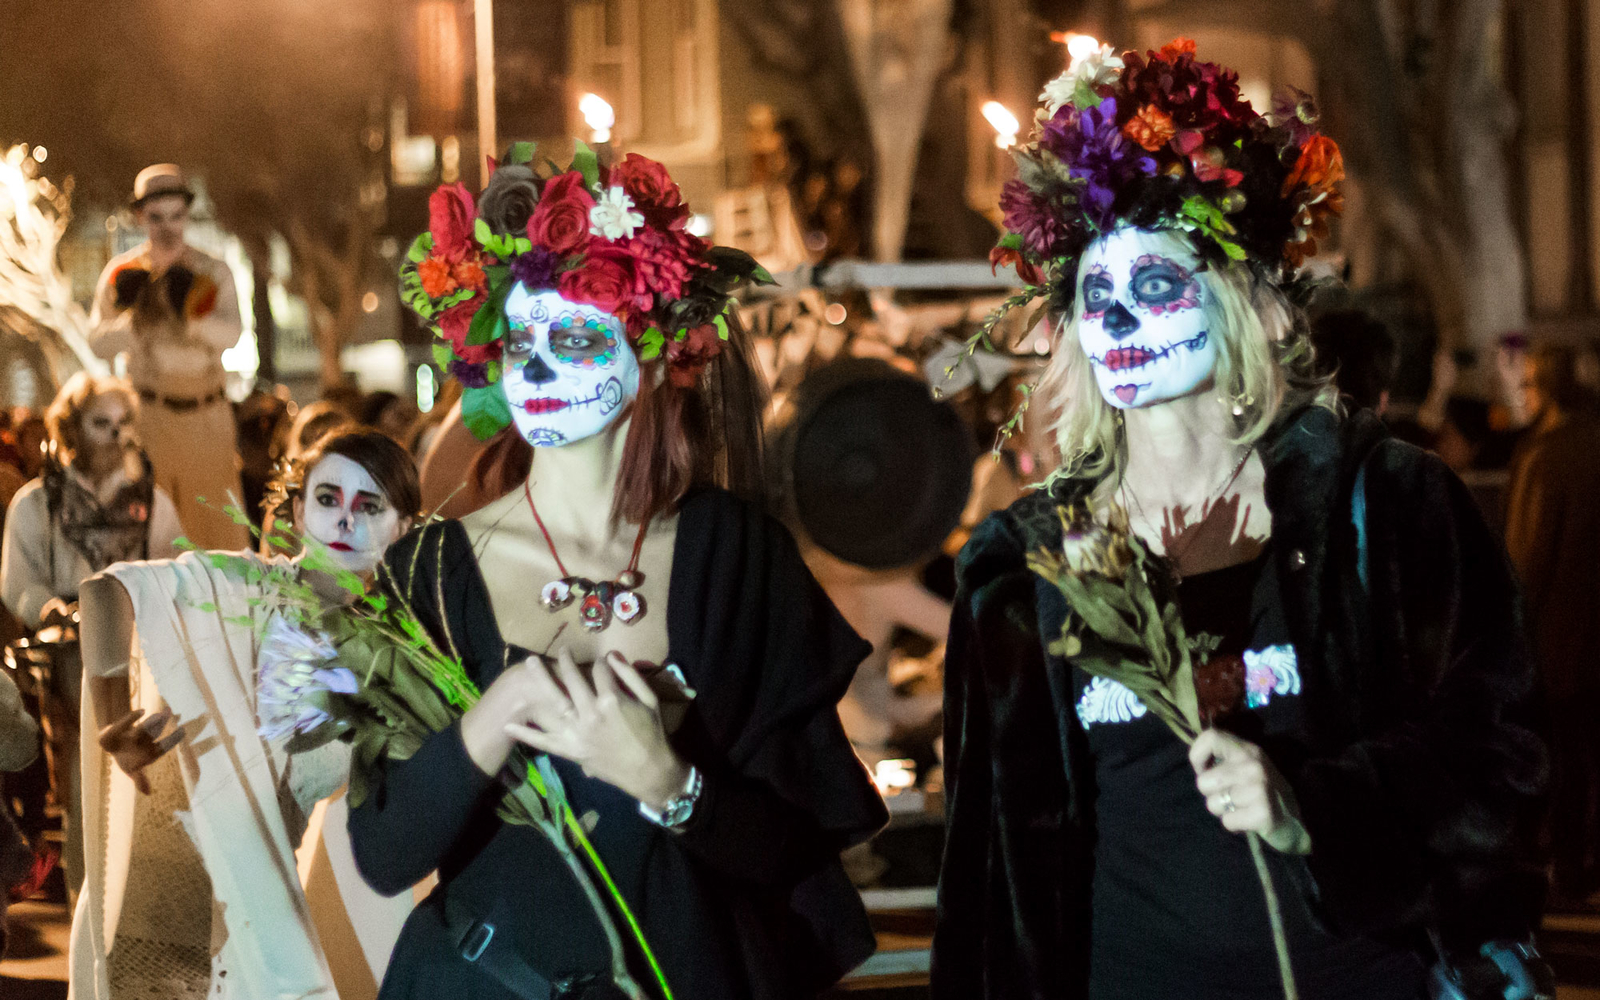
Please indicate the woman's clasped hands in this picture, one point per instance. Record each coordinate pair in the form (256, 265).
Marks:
(608, 723)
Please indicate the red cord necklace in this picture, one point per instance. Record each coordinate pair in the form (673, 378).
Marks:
(598, 602)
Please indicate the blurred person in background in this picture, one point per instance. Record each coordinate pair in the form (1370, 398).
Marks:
(389, 412)
(29, 435)
(1357, 351)
(1553, 536)
(95, 503)
(173, 310)
(263, 423)
(19, 745)
(313, 421)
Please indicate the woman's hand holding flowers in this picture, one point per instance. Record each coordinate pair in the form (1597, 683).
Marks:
(1243, 789)
(610, 726)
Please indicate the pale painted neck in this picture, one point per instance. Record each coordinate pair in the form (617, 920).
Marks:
(1179, 449)
(573, 485)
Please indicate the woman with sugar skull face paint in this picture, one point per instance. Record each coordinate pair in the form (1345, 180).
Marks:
(1356, 626)
(629, 612)
(183, 854)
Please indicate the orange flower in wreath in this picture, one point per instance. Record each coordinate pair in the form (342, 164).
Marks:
(469, 274)
(1151, 128)
(1319, 168)
(438, 279)
(1177, 48)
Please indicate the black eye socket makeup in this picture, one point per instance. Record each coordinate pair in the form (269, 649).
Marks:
(1097, 292)
(1159, 284)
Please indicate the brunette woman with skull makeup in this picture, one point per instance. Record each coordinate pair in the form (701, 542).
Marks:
(628, 611)
(193, 886)
(1359, 651)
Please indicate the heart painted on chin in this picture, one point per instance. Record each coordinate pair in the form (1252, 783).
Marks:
(1126, 393)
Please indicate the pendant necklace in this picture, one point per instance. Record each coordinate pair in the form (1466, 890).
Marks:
(598, 603)
(1174, 557)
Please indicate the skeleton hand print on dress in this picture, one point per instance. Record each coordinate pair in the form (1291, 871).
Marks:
(1143, 324)
(569, 370)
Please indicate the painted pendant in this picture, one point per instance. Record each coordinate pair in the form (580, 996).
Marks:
(598, 603)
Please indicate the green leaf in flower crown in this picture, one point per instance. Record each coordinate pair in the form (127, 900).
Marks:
(521, 153)
(499, 275)
(721, 322)
(420, 248)
(442, 355)
(1010, 241)
(484, 411)
(651, 343)
(521, 245)
(481, 232)
(1084, 96)
(587, 163)
(488, 325)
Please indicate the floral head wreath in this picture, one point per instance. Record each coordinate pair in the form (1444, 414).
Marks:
(1164, 141)
(612, 237)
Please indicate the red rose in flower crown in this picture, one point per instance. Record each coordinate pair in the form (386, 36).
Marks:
(605, 279)
(614, 237)
(561, 220)
(653, 192)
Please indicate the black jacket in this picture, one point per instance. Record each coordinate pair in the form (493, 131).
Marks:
(1420, 698)
(750, 900)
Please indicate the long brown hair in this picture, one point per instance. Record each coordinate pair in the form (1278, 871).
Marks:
(708, 434)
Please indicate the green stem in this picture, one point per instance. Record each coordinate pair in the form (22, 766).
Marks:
(577, 831)
(1280, 940)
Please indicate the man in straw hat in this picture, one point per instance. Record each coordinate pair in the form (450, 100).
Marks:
(174, 310)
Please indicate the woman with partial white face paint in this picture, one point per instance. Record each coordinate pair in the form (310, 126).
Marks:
(632, 616)
(1323, 575)
(182, 854)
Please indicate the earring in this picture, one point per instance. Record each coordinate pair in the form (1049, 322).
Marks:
(1239, 402)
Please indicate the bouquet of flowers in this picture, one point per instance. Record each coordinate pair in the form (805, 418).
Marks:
(368, 672)
(1123, 623)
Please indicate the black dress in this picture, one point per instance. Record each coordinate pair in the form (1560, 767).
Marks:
(750, 900)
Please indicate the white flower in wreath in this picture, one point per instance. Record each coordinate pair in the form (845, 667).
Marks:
(1106, 700)
(1102, 68)
(613, 216)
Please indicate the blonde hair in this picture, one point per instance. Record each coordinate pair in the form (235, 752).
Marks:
(1263, 364)
(62, 418)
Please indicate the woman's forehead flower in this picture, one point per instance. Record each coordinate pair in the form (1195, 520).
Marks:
(613, 216)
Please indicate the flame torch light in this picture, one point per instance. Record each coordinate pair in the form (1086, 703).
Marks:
(598, 115)
(1004, 122)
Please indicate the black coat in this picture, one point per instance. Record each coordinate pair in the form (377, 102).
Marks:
(750, 900)
(1420, 700)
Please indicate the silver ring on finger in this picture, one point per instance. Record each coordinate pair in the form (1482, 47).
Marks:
(1227, 801)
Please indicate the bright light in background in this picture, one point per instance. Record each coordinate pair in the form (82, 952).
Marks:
(426, 389)
(700, 224)
(369, 302)
(835, 313)
(40, 154)
(1004, 122)
(598, 115)
(1078, 46)
(893, 776)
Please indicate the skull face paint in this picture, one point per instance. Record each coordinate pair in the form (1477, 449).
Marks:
(569, 370)
(1143, 325)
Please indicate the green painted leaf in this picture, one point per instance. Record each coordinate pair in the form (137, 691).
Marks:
(484, 411)
(585, 162)
(420, 248)
(521, 153)
(651, 343)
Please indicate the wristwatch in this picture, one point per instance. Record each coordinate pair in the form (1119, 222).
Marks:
(675, 814)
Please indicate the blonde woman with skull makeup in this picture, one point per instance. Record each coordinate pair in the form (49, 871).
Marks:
(1377, 737)
(212, 871)
(626, 611)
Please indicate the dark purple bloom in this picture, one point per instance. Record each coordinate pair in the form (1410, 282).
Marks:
(537, 269)
(470, 375)
(1032, 218)
(1097, 153)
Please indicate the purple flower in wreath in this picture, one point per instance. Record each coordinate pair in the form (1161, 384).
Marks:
(1032, 218)
(1097, 153)
(471, 375)
(537, 269)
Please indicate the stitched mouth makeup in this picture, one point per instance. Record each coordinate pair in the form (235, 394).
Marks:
(537, 406)
(608, 394)
(1119, 359)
